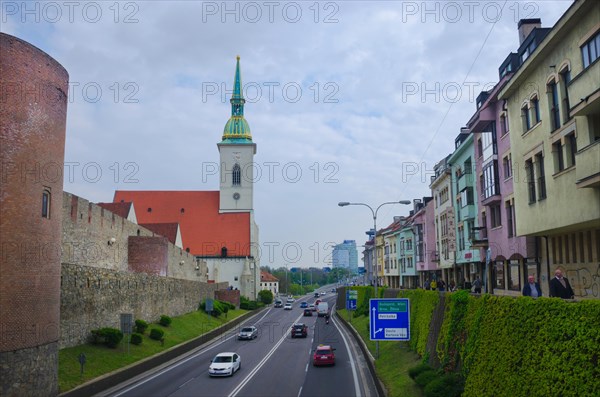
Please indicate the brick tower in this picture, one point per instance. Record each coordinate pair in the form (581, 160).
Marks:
(33, 110)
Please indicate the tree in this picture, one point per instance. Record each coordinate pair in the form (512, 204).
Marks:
(265, 296)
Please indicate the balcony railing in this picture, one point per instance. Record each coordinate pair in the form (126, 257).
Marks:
(588, 166)
(479, 237)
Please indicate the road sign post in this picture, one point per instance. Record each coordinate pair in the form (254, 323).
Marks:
(389, 319)
(351, 298)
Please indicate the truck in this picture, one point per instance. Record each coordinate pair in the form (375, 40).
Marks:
(322, 309)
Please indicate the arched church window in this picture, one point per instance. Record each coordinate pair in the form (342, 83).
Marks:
(237, 175)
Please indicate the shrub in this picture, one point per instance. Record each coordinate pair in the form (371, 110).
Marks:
(228, 305)
(141, 326)
(247, 304)
(448, 385)
(107, 336)
(157, 333)
(265, 296)
(136, 338)
(416, 371)
(165, 321)
(425, 377)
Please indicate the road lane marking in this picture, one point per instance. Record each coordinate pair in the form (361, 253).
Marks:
(255, 370)
(186, 383)
(175, 365)
(354, 374)
(300, 391)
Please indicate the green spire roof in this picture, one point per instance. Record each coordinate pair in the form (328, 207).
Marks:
(237, 129)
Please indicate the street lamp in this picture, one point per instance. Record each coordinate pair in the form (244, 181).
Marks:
(374, 212)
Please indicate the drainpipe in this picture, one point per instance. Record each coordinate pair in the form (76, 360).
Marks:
(547, 263)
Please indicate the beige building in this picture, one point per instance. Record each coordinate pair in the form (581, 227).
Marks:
(553, 108)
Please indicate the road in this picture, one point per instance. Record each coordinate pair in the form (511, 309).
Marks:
(273, 364)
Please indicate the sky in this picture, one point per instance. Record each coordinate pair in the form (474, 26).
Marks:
(346, 100)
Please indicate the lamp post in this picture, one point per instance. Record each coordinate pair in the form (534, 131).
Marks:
(374, 213)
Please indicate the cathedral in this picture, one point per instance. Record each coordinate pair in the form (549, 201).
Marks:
(217, 227)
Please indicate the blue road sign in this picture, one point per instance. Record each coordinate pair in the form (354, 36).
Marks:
(389, 319)
(351, 298)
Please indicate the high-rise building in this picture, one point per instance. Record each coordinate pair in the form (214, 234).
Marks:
(345, 255)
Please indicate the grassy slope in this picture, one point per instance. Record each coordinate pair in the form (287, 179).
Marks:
(101, 360)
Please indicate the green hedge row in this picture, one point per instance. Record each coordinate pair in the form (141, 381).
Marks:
(505, 346)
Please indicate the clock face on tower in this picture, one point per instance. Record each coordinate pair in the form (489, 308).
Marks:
(236, 196)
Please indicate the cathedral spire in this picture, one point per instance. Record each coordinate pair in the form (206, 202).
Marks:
(237, 129)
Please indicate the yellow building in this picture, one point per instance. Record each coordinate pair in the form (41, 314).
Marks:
(553, 110)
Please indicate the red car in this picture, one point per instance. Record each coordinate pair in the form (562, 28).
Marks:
(324, 355)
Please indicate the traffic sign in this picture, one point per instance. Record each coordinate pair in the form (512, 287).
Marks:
(389, 319)
(351, 298)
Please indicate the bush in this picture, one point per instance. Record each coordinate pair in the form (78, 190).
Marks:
(265, 296)
(107, 336)
(165, 321)
(425, 377)
(448, 385)
(157, 333)
(247, 304)
(416, 371)
(136, 338)
(141, 326)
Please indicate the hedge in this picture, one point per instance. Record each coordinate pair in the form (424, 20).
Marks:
(422, 305)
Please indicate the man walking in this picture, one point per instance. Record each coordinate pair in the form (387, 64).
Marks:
(560, 287)
(532, 288)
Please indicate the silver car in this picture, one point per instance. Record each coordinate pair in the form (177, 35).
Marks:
(250, 332)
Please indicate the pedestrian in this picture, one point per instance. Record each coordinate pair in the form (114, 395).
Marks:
(477, 285)
(532, 288)
(442, 285)
(427, 284)
(560, 287)
(452, 286)
(433, 285)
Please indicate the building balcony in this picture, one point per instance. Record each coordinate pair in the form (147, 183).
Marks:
(587, 170)
(491, 200)
(583, 92)
(434, 256)
(479, 237)
(464, 181)
(467, 212)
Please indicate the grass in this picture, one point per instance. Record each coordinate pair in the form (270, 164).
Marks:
(395, 359)
(101, 360)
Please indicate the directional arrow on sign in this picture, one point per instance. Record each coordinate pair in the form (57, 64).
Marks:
(373, 319)
(379, 330)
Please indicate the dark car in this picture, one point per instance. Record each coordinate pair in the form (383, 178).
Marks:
(324, 356)
(299, 330)
(316, 294)
(308, 312)
(278, 303)
(303, 305)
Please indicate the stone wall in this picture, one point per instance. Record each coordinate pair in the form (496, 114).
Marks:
(229, 295)
(93, 297)
(148, 255)
(88, 229)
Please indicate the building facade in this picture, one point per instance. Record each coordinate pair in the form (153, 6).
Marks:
(553, 108)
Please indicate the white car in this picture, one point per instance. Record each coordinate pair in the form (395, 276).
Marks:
(288, 306)
(225, 364)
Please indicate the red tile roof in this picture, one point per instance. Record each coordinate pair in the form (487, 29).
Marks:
(118, 208)
(168, 230)
(203, 230)
(266, 277)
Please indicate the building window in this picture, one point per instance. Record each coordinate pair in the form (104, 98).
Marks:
(590, 50)
(461, 238)
(495, 216)
(46, 204)
(237, 175)
(526, 119)
(509, 219)
(479, 148)
(535, 106)
(515, 276)
(503, 125)
(554, 105)
(507, 166)
(571, 149)
(559, 162)
(565, 79)
(490, 179)
(530, 180)
(539, 159)
(499, 272)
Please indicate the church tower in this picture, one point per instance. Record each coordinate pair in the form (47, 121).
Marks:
(236, 151)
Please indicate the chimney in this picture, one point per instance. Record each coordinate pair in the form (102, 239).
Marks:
(526, 26)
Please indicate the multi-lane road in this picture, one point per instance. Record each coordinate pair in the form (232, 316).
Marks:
(273, 364)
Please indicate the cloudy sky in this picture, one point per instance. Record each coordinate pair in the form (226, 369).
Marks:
(347, 100)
